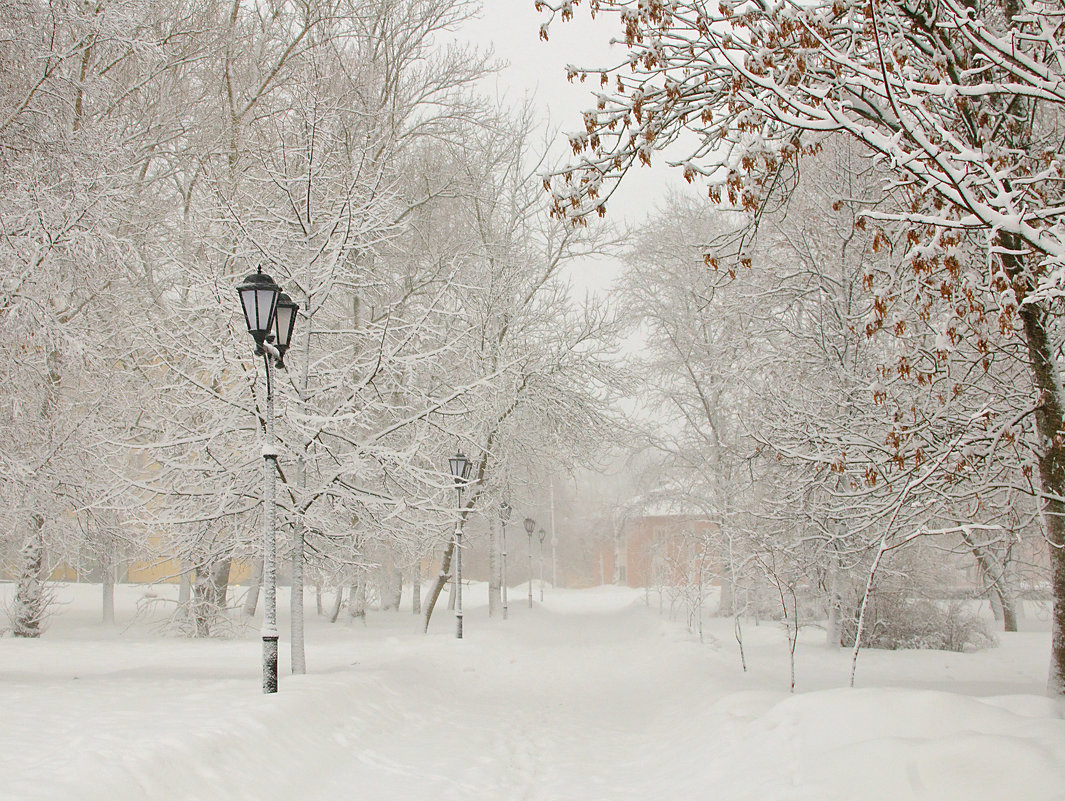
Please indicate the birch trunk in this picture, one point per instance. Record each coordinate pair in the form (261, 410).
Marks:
(184, 586)
(107, 564)
(833, 633)
(210, 596)
(297, 654)
(357, 599)
(495, 573)
(392, 584)
(337, 603)
(1002, 601)
(31, 595)
(416, 590)
(438, 585)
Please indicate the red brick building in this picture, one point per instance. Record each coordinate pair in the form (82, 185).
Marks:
(657, 549)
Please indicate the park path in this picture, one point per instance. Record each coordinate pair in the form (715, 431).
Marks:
(558, 703)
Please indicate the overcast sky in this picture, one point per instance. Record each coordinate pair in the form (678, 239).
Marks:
(538, 69)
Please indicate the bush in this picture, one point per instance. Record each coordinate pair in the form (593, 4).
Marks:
(893, 622)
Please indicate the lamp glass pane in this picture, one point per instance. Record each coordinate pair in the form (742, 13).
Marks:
(283, 324)
(459, 466)
(265, 301)
(247, 302)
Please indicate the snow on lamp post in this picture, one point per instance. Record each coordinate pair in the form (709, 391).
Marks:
(504, 516)
(270, 316)
(460, 472)
(530, 524)
(542, 534)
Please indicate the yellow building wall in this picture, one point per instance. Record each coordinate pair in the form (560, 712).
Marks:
(166, 571)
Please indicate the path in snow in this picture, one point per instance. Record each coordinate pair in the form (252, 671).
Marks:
(556, 705)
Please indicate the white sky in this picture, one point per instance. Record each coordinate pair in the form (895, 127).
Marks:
(538, 69)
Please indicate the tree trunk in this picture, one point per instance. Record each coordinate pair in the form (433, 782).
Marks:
(438, 585)
(1049, 423)
(392, 584)
(397, 589)
(220, 583)
(201, 615)
(297, 652)
(31, 596)
(1002, 602)
(357, 599)
(318, 596)
(833, 633)
(996, 605)
(337, 603)
(416, 589)
(495, 573)
(727, 603)
(251, 600)
(993, 571)
(209, 595)
(107, 568)
(1009, 614)
(184, 586)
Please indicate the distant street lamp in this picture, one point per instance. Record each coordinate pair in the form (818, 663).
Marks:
(504, 516)
(542, 535)
(460, 471)
(530, 524)
(271, 316)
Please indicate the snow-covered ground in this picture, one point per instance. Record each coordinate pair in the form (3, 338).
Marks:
(590, 696)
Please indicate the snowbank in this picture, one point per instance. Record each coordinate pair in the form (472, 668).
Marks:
(590, 696)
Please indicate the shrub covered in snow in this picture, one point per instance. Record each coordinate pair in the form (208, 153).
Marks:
(894, 622)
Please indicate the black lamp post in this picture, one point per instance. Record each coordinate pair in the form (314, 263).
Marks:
(542, 534)
(530, 524)
(504, 516)
(460, 472)
(270, 316)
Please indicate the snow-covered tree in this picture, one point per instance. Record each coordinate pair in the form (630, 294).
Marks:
(962, 103)
(538, 359)
(66, 150)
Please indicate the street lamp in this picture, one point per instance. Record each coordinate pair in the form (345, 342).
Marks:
(542, 535)
(530, 524)
(460, 471)
(504, 516)
(270, 315)
(258, 298)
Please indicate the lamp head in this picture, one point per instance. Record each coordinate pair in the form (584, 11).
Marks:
(460, 469)
(258, 294)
